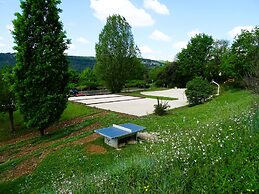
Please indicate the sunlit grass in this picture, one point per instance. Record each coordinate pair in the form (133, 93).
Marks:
(73, 110)
(210, 148)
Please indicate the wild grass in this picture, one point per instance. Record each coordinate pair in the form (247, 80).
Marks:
(209, 148)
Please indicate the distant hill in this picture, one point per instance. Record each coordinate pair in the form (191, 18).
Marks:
(76, 62)
(7, 59)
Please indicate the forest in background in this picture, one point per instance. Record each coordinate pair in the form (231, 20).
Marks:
(77, 63)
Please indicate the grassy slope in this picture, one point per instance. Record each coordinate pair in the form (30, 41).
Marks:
(72, 111)
(157, 167)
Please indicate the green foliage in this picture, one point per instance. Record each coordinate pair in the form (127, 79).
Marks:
(161, 107)
(193, 60)
(198, 91)
(252, 80)
(41, 73)
(202, 149)
(7, 59)
(244, 57)
(156, 76)
(7, 97)
(219, 55)
(88, 79)
(139, 72)
(136, 84)
(116, 53)
(73, 78)
(169, 76)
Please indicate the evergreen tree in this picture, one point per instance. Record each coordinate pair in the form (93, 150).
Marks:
(116, 53)
(41, 72)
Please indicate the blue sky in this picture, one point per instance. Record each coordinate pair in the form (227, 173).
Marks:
(160, 27)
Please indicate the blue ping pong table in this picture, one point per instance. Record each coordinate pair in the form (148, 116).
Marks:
(116, 134)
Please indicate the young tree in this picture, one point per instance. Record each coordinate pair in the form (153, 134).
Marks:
(198, 91)
(41, 72)
(7, 98)
(116, 53)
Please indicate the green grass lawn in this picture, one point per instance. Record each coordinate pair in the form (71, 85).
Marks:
(210, 148)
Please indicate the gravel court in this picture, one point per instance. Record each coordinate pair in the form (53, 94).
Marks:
(133, 105)
(108, 100)
(139, 107)
(173, 93)
(93, 97)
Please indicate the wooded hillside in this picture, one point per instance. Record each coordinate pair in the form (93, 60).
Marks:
(76, 62)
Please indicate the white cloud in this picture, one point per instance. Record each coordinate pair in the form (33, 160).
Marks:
(180, 45)
(145, 49)
(2, 44)
(135, 17)
(237, 30)
(156, 6)
(82, 40)
(157, 35)
(193, 33)
(9, 27)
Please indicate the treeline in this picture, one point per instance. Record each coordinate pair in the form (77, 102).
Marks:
(212, 59)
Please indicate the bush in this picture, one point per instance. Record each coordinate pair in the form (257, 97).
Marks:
(161, 107)
(136, 84)
(198, 91)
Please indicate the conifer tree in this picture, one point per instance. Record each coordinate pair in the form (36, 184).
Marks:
(41, 72)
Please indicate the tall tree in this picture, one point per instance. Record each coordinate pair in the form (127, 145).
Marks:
(41, 72)
(7, 97)
(116, 53)
(192, 61)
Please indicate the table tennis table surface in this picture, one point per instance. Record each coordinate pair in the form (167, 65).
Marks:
(113, 132)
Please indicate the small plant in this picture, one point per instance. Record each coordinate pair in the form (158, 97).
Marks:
(161, 107)
(198, 91)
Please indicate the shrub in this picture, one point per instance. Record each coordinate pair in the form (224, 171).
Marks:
(136, 84)
(161, 107)
(198, 91)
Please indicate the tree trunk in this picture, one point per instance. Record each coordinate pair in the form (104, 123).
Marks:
(42, 132)
(11, 124)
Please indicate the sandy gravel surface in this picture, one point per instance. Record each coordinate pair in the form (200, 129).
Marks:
(133, 105)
